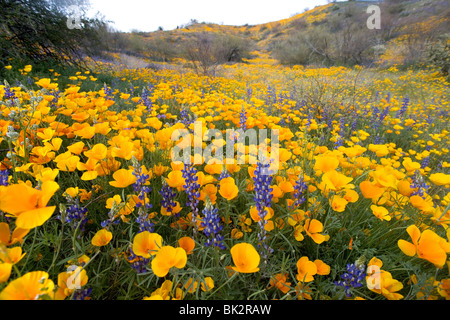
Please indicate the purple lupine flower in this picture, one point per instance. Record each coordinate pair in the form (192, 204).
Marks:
(108, 92)
(75, 215)
(185, 118)
(141, 189)
(224, 174)
(145, 100)
(212, 226)
(82, 294)
(167, 194)
(138, 263)
(4, 174)
(144, 222)
(421, 186)
(263, 198)
(403, 108)
(139, 186)
(299, 189)
(353, 278)
(243, 119)
(191, 187)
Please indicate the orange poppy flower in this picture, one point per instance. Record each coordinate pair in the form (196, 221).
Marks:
(67, 161)
(306, 269)
(27, 204)
(228, 188)
(5, 271)
(326, 163)
(166, 258)
(11, 255)
(313, 228)
(370, 191)
(425, 205)
(101, 238)
(427, 245)
(380, 212)
(7, 238)
(146, 244)
(70, 280)
(86, 133)
(245, 258)
(175, 179)
(335, 181)
(338, 203)
(187, 243)
(123, 178)
(97, 152)
(76, 148)
(440, 179)
(31, 286)
(279, 281)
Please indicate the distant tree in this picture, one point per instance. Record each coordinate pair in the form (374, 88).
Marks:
(207, 50)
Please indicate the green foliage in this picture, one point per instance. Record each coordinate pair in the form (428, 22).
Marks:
(439, 55)
(36, 30)
(207, 50)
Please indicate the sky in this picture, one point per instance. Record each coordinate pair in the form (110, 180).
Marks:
(148, 15)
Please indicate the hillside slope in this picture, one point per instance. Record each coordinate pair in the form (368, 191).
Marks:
(332, 34)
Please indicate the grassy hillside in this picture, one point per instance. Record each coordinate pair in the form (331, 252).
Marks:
(332, 34)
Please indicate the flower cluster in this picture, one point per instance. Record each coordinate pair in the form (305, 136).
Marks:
(419, 186)
(353, 278)
(137, 262)
(145, 100)
(212, 226)
(4, 174)
(75, 214)
(299, 190)
(191, 187)
(168, 195)
(243, 119)
(263, 198)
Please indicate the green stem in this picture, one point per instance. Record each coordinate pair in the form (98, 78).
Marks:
(225, 283)
(55, 255)
(17, 270)
(31, 249)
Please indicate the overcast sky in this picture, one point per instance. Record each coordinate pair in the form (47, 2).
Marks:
(148, 15)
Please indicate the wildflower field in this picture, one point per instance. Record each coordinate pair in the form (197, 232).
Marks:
(94, 207)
